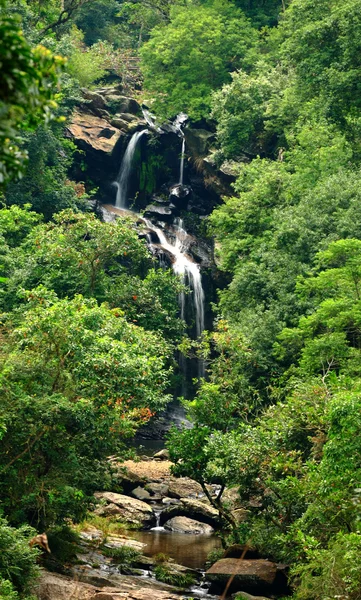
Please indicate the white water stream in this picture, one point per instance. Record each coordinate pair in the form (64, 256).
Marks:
(188, 270)
(178, 244)
(182, 161)
(122, 181)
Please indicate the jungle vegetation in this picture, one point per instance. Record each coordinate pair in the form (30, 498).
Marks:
(278, 416)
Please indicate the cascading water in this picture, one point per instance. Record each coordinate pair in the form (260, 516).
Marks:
(182, 265)
(182, 161)
(122, 181)
(189, 272)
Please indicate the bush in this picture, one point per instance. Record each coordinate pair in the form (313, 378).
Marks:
(331, 573)
(125, 555)
(166, 575)
(86, 67)
(17, 560)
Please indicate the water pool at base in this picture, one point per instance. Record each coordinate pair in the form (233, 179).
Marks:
(186, 549)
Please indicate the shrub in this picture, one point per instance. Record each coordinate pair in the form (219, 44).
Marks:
(125, 555)
(166, 575)
(331, 573)
(17, 560)
(86, 67)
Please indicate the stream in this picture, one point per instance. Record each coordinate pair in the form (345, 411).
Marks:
(170, 243)
(186, 549)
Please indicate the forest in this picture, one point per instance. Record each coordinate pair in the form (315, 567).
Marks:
(91, 329)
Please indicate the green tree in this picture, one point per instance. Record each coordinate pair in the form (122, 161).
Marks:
(71, 371)
(45, 183)
(191, 56)
(28, 82)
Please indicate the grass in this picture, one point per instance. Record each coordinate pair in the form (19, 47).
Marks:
(124, 554)
(107, 525)
(166, 575)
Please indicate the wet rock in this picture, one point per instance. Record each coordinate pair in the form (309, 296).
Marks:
(141, 494)
(179, 196)
(198, 141)
(186, 525)
(93, 133)
(159, 212)
(162, 454)
(249, 575)
(128, 509)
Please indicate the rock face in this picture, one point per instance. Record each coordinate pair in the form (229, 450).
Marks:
(93, 133)
(59, 587)
(193, 509)
(249, 575)
(186, 525)
(126, 508)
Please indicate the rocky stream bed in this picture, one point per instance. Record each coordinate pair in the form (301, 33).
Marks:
(167, 529)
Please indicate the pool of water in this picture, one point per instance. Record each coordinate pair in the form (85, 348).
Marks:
(146, 447)
(186, 549)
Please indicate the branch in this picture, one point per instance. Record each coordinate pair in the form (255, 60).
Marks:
(225, 515)
(65, 15)
(27, 449)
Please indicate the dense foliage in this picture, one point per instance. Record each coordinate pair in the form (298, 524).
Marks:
(89, 323)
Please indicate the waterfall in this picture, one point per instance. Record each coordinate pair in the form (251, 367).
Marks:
(182, 160)
(189, 272)
(122, 181)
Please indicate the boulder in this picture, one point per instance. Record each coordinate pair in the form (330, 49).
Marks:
(93, 133)
(230, 168)
(127, 476)
(249, 575)
(141, 494)
(186, 525)
(163, 213)
(120, 124)
(118, 541)
(95, 100)
(194, 509)
(158, 489)
(162, 454)
(58, 587)
(52, 586)
(128, 509)
(129, 118)
(168, 501)
(198, 141)
(124, 104)
(92, 534)
(184, 487)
